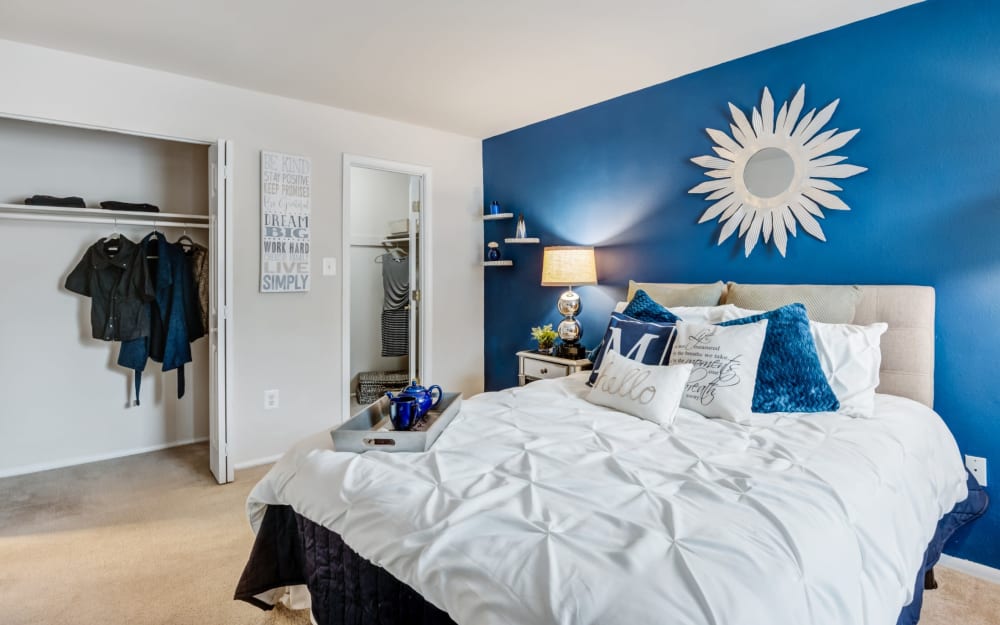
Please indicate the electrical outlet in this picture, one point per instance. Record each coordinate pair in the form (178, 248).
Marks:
(977, 466)
(329, 266)
(271, 399)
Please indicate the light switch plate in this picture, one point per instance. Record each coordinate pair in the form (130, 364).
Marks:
(329, 266)
(977, 466)
(271, 399)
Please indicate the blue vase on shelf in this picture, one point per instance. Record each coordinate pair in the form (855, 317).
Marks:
(494, 208)
(492, 251)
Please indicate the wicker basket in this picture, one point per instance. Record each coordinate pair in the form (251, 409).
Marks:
(374, 384)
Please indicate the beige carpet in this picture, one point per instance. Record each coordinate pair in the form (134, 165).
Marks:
(149, 539)
(153, 540)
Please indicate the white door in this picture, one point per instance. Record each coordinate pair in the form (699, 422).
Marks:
(220, 304)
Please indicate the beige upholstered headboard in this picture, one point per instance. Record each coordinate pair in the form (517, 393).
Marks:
(908, 345)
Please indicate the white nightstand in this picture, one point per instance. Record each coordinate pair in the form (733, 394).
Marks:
(533, 366)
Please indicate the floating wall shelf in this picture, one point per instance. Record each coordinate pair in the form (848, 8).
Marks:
(522, 241)
(498, 263)
(498, 216)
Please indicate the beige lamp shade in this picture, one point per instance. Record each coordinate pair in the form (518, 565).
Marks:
(568, 266)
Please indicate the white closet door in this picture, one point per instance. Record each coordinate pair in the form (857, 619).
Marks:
(220, 305)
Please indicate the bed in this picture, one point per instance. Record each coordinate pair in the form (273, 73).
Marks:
(536, 506)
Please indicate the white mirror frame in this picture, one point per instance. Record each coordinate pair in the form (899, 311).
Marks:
(773, 218)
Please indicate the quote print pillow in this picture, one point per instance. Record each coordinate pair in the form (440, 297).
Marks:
(723, 363)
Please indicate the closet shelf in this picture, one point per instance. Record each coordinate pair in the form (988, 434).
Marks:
(498, 216)
(498, 263)
(101, 216)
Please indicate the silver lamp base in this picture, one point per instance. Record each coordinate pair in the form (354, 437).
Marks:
(569, 330)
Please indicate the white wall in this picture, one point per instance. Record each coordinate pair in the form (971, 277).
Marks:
(290, 342)
(377, 197)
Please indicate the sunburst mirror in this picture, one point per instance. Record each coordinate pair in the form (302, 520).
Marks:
(771, 175)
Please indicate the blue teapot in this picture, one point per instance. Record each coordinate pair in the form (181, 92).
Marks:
(424, 396)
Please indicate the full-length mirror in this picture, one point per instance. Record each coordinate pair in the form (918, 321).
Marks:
(383, 336)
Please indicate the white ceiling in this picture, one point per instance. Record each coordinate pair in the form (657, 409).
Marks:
(475, 67)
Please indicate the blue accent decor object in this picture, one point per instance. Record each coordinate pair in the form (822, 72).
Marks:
(493, 251)
(643, 308)
(403, 411)
(789, 375)
(494, 208)
(644, 341)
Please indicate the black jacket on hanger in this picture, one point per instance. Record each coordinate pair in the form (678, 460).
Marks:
(119, 289)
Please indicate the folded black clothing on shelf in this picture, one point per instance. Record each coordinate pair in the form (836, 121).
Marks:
(50, 200)
(126, 206)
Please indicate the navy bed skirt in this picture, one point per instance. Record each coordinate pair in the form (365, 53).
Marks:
(346, 589)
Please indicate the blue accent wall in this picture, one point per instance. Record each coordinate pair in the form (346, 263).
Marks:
(923, 85)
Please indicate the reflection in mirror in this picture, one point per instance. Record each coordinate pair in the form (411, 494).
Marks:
(769, 172)
(384, 326)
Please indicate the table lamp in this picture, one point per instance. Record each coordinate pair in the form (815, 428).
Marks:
(569, 266)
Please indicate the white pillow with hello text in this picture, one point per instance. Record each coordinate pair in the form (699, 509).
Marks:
(650, 392)
(724, 367)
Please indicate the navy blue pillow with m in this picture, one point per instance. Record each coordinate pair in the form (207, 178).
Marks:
(648, 342)
(643, 308)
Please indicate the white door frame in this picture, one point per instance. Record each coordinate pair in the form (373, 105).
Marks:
(424, 260)
(227, 278)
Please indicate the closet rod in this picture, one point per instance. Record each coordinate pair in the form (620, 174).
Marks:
(105, 220)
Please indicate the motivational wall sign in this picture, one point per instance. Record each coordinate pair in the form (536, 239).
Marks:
(285, 201)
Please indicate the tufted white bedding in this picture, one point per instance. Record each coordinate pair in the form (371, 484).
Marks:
(537, 507)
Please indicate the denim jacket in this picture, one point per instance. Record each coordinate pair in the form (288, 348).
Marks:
(168, 341)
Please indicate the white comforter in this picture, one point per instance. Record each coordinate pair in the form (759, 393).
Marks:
(537, 507)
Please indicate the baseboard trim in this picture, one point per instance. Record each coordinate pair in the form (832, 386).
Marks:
(72, 462)
(969, 567)
(256, 462)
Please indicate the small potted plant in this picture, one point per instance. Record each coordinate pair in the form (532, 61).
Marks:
(546, 338)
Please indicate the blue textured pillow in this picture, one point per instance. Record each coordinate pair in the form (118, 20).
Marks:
(643, 308)
(789, 375)
(648, 342)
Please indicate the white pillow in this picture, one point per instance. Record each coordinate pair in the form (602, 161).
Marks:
(850, 356)
(698, 314)
(725, 367)
(650, 392)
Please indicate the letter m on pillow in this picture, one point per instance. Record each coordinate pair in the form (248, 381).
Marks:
(648, 342)
(637, 351)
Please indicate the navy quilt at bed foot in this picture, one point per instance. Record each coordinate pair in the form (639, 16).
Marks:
(346, 589)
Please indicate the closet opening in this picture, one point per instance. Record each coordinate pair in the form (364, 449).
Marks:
(117, 327)
(387, 294)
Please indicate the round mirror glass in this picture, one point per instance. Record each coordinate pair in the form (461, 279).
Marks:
(769, 172)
